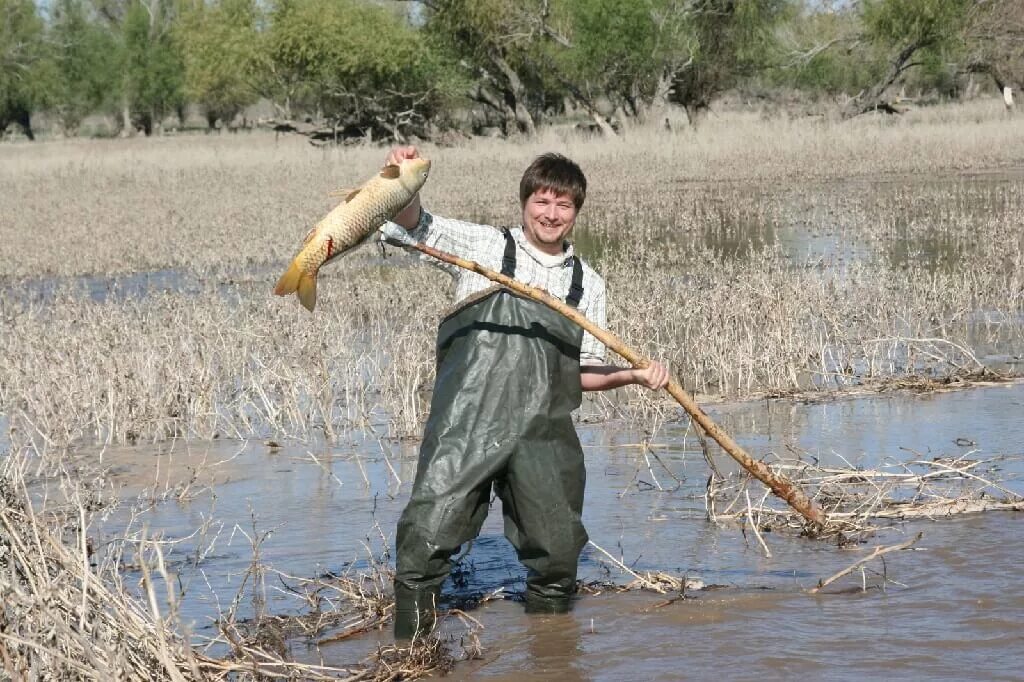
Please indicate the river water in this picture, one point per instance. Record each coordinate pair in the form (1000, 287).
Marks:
(951, 608)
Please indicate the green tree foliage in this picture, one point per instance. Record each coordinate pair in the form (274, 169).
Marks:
(732, 39)
(147, 58)
(821, 51)
(500, 46)
(923, 23)
(623, 51)
(25, 69)
(866, 48)
(356, 64)
(220, 49)
(85, 61)
(914, 33)
(153, 65)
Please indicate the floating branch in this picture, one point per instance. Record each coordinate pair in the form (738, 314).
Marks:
(879, 551)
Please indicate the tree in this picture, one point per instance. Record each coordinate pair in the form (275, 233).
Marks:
(84, 56)
(25, 69)
(220, 50)
(642, 54)
(994, 41)
(914, 33)
(500, 46)
(625, 52)
(822, 50)
(731, 39)
(357, 65)
(152, 74)
(153, 65)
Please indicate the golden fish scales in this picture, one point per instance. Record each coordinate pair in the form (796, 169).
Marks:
(351, 223)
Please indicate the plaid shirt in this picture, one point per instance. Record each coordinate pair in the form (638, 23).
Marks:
(486, 245)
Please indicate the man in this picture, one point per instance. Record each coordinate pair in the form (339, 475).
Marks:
(510, 372)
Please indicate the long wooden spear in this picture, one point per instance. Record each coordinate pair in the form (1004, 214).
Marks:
(780, 485)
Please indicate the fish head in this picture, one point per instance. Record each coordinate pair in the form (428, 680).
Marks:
(413, 173)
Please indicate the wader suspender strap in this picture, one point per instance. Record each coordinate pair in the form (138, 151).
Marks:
(576, 288)
(508, 268)
(508, 262)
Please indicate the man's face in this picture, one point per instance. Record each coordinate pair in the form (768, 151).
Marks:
(547, 219)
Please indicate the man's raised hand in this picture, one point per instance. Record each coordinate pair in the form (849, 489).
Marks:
(398, 154)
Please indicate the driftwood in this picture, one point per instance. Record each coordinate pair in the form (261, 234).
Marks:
(778, 484)
(855, 498)
(318, 133)
(879, 551)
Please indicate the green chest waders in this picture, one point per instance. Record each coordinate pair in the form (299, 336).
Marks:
(508, 379)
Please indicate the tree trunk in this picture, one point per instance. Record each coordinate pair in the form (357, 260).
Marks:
(524, 120)
(481, 93)
(696, 112)
(872, 100)
(603, 124)
(127, 130)
(515, 95)
(23, 117)
(659, 102)
(979, 66)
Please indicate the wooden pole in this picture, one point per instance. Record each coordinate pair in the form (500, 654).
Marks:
(781, 486)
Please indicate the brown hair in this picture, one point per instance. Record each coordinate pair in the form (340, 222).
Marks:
(557, 173)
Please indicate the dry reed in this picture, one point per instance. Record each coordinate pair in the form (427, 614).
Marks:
(71, 610)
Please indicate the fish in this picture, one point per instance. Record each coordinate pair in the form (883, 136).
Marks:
(351, 223)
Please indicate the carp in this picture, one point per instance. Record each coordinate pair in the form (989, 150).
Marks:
(351, 223)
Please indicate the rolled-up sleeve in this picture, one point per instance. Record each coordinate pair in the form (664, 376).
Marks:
(457, 237)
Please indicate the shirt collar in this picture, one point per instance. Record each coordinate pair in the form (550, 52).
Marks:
(546, 259)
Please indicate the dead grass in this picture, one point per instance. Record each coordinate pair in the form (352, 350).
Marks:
(755, 257)
(73, 610)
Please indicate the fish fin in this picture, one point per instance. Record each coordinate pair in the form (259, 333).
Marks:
(347, 193)
(307, 291)
(390, 172)
(296, 280)
(289, 282)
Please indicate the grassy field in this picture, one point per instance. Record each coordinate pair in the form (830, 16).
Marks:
(754, 256)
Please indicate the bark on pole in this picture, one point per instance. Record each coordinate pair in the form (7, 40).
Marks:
(780, 485)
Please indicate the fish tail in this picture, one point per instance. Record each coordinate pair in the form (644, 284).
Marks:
(296, 279)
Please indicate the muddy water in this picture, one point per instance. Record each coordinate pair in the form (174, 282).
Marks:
(950, 611)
